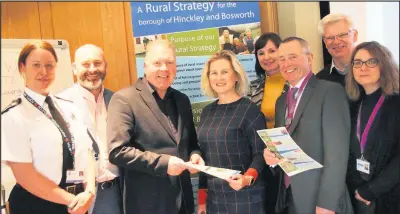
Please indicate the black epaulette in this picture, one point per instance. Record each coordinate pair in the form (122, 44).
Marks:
(12, 105)
(62, 98)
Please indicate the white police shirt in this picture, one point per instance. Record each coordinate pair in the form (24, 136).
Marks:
(28, 136)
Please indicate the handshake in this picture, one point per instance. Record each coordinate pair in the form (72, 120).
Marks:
(176, 167)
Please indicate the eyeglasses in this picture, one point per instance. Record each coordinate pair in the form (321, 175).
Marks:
(341, 36)
(371, 63)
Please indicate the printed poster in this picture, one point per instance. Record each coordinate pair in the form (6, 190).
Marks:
(198, 30)
(293, 159)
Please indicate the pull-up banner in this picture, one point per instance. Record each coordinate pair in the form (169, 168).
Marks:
(198, 30)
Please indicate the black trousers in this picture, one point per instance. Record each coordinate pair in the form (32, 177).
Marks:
(23, 202)
(271, 190)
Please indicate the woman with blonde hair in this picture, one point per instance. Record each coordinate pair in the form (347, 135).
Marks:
(373, 173)
(228, 139)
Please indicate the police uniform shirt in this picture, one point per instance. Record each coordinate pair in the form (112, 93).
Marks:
(28, 136)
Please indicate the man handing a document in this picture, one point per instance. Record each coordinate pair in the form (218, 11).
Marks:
(316, 115)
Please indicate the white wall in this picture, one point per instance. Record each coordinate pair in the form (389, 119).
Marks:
(301, 19)
(377, 21)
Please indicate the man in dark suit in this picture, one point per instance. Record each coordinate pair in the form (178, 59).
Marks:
(150, 131)
(316, 114)
(92, 99)
(339, 36)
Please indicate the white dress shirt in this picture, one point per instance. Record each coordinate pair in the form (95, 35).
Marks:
(28, 136)
(299, 93)
(98, 114)
(344, 72)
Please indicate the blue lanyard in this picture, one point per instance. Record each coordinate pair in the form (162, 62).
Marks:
(70, 142)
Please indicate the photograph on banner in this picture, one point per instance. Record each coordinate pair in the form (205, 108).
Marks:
(142, 42)
(239, 39)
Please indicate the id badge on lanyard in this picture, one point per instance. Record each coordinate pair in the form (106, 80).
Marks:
(362, 164)
(73, 176)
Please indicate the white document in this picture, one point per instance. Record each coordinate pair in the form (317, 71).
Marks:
(293, 159)
(222, 173)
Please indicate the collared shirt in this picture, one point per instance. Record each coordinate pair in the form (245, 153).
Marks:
(98, 114)
(166, 105)
(28, 136)
(299, 93)
(338, 71)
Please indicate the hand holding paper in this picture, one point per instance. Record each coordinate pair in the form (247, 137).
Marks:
(238, 181)
(270, 158)
(222, 173)
(283, 151)
(175, 166)
(196, 159)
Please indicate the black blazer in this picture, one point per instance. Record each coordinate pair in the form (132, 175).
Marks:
(325, 74)
(382, 150)
(141, 142)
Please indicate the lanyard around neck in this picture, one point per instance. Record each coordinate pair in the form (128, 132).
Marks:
(291, 108)
(371, 119)
(70, 142)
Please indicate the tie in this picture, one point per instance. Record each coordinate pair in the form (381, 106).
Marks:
(292, 99)
(67, 158)
(291, 106)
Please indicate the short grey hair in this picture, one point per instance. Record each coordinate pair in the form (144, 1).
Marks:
(332, 18)
(303, 43)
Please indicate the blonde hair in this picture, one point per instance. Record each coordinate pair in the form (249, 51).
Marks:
(241, 84)
(333, 18)
(389, 70)
(159, 42)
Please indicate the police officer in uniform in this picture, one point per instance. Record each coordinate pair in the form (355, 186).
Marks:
(45, 143)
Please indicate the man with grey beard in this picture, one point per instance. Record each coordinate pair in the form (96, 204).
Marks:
(90, 96)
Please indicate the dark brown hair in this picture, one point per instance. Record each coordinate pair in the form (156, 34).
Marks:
(33, 45)
(260, 43)
(389, 70)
